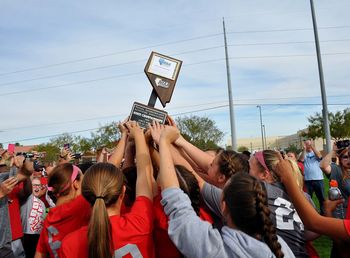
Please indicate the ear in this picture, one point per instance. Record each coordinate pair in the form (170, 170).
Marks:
(122, 193)
(223, 207)
(221, 178)
(76, 184)
(267, 177)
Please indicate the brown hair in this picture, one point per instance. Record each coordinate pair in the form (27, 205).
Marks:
(60, 180)
(189, 184)
(101, 187)
(231, 162)
(271, 158)
(344, 170)
(246, 199)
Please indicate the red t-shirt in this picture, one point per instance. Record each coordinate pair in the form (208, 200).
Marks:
(347, 226)
(163, 245)
(60, 221)
(131, 234)
(14, 212)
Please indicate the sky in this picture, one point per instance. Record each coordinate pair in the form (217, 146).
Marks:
(72, 66)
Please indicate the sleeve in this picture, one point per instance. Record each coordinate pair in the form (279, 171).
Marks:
(347, 226)
(41, 246)
(335, 173)
(211, 195)
(141, 214)
(285, 248)
(192, 236)
(4, 176)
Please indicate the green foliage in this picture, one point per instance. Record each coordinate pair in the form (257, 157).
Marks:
(106, 136)
(339, 123)
(293, 148)
(242, 148)
(52, 152)
(200, 131)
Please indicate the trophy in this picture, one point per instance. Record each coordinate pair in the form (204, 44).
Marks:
(162, 72)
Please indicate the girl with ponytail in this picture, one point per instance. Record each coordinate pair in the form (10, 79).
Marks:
(72, 211)
(249, 231)
(110, 233)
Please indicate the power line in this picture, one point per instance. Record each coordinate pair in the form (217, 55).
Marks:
(182, 113)
(139, 73)
(163, 44)
(173, 54)
(111, 54)
(176, 114)
(286, 30)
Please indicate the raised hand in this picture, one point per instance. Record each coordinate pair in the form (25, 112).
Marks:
(7, 186)
(170, 134)
(133, 128)
(283, 169)
(156, 130)
(171, 121)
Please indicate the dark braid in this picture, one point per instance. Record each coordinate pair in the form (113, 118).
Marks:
(189, 184)
(231, 162)
(246, 200)
(268, 232)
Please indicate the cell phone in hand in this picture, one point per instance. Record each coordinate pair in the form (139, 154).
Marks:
(11, 148)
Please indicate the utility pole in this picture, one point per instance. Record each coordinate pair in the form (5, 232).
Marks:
(323, 90)
(261, 127)
(232, 115)
(265, 137)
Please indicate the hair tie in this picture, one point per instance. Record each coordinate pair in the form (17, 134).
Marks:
(99, 197)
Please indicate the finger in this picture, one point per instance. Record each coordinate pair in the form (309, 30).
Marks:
(279, 156)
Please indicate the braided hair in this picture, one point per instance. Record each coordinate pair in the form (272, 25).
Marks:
(246, 200)
(231, 162)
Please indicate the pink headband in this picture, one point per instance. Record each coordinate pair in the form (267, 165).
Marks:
(75, 173)
(260, 157)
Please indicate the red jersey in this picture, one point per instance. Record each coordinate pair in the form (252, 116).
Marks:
(163, 245)
(347, 226)
(14, 212)
(60, 221)
(131, 234)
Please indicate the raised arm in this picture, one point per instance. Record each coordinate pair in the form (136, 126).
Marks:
(317, 153)
(311, 218)
(325, 163)
(143, 161)
(118, 153)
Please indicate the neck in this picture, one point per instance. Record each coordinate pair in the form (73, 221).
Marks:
(114, 209)
(65, 199)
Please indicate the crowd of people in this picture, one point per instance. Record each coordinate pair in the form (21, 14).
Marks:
(157, 195)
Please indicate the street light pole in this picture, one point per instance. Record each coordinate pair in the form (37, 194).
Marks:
(261, 127)
(265, 137)
(232, 113)
(323, 90)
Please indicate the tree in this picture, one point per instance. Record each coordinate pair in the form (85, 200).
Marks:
(293, 148)
(242, 148)
(200, 131)
(52, 152)
(106, 136)
(339, 124)
(63, 139)
(84, 144)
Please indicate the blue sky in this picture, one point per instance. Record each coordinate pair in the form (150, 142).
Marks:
(68, 66)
